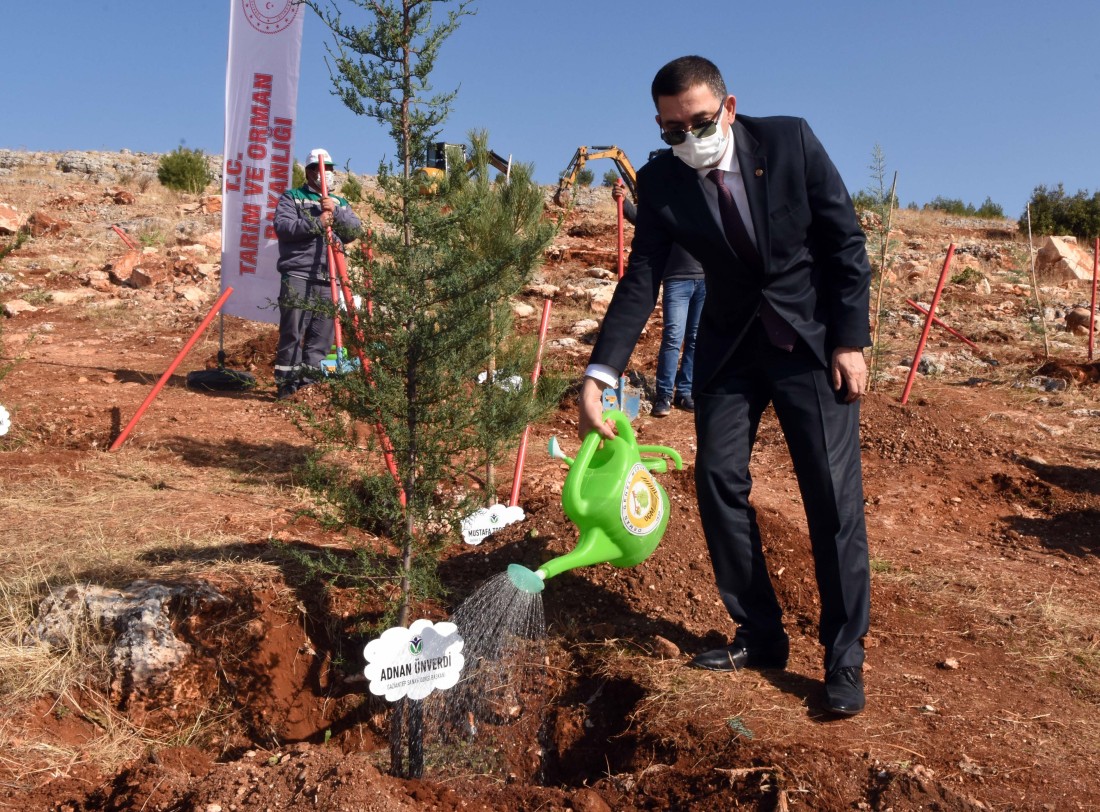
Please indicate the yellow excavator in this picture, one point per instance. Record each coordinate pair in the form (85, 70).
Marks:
(442, 156)
(581, 157)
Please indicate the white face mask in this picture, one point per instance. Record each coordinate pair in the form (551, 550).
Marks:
(699, 153)
(330, 182)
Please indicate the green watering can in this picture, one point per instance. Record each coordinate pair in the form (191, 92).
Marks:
(612, 497)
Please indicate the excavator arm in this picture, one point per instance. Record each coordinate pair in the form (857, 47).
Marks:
(441, 156)
(585, 154)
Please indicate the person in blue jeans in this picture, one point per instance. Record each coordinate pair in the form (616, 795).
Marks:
(684, 291)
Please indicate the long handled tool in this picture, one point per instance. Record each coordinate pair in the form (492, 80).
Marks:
(329, 245)
(338, 269)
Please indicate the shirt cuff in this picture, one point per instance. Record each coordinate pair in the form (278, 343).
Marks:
(602, 373)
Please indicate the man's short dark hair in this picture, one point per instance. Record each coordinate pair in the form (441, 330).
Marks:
(685, 73)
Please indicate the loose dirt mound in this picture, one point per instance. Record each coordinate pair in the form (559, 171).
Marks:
(982, 499)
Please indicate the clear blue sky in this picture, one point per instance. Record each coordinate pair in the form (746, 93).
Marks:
(967, 98)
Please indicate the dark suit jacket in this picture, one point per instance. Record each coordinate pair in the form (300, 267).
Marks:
(816, 273)
(681, 264)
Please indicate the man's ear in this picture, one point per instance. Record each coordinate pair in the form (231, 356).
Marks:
(731, 107)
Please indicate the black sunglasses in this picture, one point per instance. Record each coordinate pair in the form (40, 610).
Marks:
(707, 128)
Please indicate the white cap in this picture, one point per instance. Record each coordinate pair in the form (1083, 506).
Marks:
(318, 155)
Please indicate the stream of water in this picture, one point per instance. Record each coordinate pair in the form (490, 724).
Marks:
(504, 634)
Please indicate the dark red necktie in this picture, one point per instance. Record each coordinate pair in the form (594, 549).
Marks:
(780, 333)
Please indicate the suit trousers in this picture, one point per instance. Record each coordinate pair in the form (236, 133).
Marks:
(822, 434)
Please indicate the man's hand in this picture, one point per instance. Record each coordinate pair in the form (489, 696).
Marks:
(591, 411)
(850, 370)
(328, 207)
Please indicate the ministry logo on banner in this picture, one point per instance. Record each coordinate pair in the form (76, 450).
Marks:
(261, 100)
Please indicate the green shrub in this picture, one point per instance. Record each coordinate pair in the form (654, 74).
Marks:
(949, 205)
(990, 209)
(586, 177)
(297, 175)
(185, 170)
(960, 209)
(969, 276)
(1055, 212)
(352, 189)
(610, 177)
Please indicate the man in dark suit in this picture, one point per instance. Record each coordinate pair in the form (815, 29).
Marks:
(785, 322)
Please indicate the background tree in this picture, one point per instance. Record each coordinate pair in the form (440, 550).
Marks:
(1053, 211)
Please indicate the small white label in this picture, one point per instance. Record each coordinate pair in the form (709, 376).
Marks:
(415, 661)
(482, 523)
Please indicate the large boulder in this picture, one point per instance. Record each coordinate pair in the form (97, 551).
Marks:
(10, 219)
(1061, 259)
(137, 620)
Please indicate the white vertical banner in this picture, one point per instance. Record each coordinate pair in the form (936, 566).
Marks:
(261, 99)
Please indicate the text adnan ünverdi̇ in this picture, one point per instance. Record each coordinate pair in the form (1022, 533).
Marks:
(417, 667)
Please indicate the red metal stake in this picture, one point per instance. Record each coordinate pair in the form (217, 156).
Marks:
(340, 268)
(619, 204)
(928, 324)
(172, 368)
(936, 321)
(521, 457)
(125, 238)
(1092, 310)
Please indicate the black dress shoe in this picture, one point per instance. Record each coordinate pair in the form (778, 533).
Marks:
(844, 691)
(738, 655)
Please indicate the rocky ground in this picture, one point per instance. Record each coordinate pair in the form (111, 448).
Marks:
(982, 495)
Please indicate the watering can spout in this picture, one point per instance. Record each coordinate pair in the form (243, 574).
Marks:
(593, 547)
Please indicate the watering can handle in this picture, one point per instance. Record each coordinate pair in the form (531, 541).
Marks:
(624, 433)
(665, 451)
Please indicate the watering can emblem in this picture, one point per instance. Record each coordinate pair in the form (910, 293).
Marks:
(611, 495)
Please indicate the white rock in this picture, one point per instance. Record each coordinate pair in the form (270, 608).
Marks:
(16, 306)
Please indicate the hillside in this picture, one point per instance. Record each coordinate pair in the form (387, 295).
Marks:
(982, 495)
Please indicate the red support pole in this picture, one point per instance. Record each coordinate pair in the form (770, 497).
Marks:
(939, 323)
(1092, 310)
(339, 269)
(172, 368)
(928, 323)
(521, 457)
(619, 203)
(338, 273)
(125, 238)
